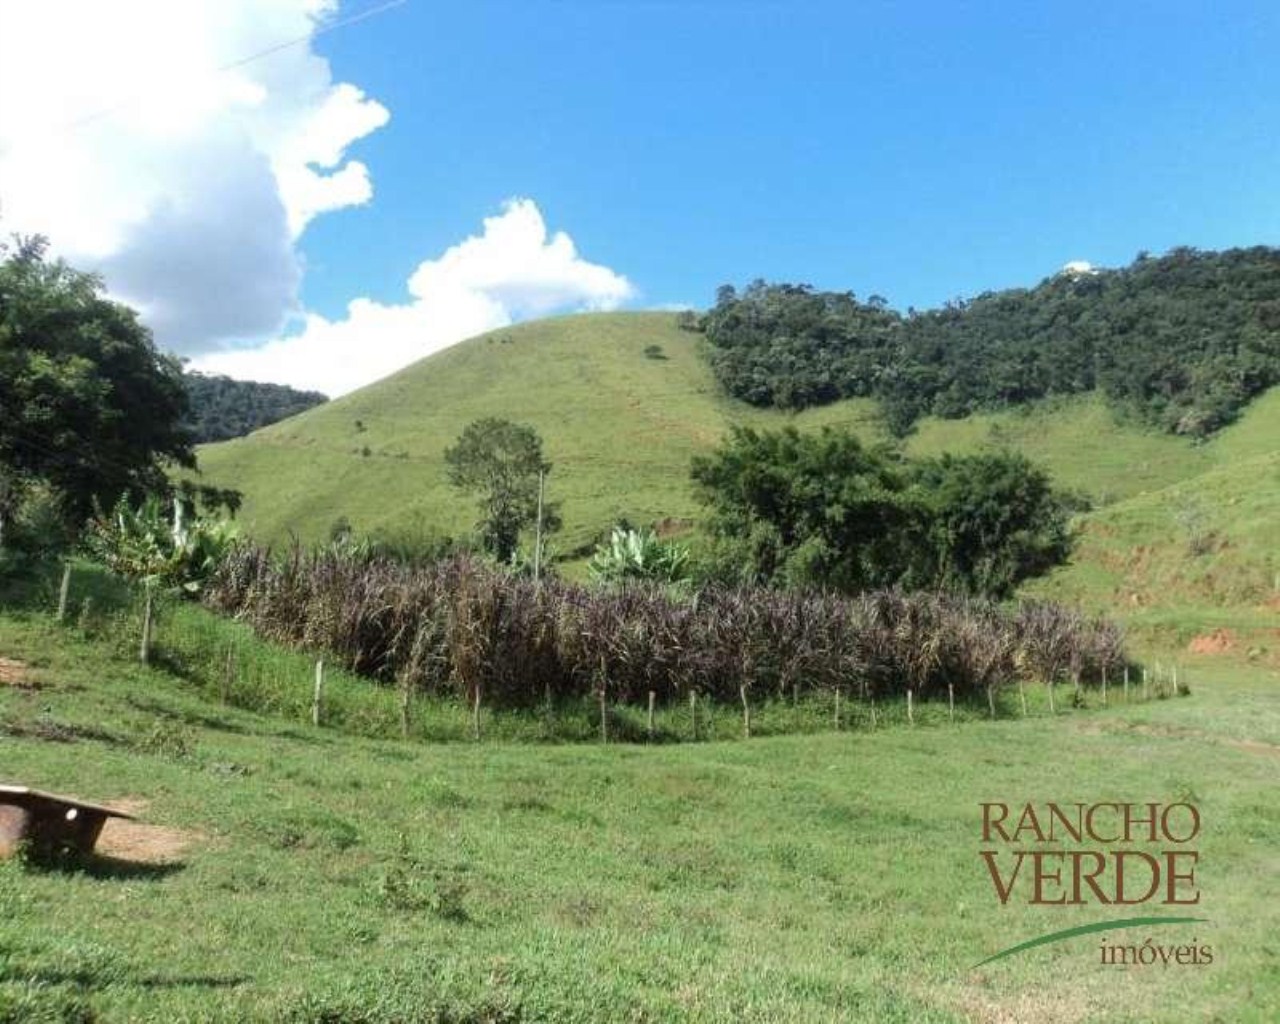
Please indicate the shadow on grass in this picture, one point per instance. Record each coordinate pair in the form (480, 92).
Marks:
(98, 866)
(87, 979)
(162, 709)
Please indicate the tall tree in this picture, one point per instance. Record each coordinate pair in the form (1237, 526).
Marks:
(500, 462)
(87, 403)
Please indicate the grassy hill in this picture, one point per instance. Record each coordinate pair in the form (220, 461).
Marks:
(619, 426)
(282, 872)
(624, 400)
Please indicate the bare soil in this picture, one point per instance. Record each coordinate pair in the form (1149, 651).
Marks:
(139, 842)
(1220, 641)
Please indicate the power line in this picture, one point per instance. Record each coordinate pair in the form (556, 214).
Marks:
(371, 12)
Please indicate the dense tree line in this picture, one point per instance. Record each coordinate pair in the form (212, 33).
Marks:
(1184, 341)
(222, 408)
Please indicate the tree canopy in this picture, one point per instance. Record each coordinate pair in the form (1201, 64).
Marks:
(500, 462)
(222, 408)
(822, 510)
(87, 404)
(1183, 341)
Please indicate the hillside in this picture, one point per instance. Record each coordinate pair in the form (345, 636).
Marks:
(1182, 341)
(621, 427)
(222, 408)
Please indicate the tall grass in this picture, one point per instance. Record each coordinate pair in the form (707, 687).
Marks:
(460, 628)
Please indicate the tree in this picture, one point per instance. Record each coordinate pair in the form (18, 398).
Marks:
(500, 462)
(822, 510)
(993, 521)
(1184, 340)
(815, 509)
(87, 403)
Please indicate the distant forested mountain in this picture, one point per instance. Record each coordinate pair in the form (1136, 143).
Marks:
(222, 408)
(1184, 340)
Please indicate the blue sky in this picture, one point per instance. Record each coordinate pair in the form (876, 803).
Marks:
(398, 178)
(922, 151)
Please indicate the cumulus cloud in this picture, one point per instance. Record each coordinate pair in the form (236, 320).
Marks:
(1078, 268)
(513, 269)
(187, 186)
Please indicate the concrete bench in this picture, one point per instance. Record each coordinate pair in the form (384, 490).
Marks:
(47, 823)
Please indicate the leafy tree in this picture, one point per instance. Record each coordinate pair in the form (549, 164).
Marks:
(992, 522)
(87, 403)
(500, 462)
(816, 509)
(822, 510)
(222, 408)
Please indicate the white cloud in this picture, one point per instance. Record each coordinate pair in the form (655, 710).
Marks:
(1078, 268)
(186, 186)
(513, 270)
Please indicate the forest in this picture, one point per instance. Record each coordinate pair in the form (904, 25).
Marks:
(1182, 341)
(221, 408)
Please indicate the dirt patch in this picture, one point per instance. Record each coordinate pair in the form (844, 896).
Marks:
(14, 673)
(670, 526)
(1220, 641)
(1178, 732)
(139, 842)
(1024, 1008)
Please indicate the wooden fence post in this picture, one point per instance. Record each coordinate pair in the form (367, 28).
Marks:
(1126, 682)
(64, 591)
(144, 651)
(1022, 696)
(991, 699)
(951, 702)
(693, 711)
(406, 697)
(911, 712)
(226, 675)
(1104, 686)
(652, 699)
(746, 712)
(837, 714)
(604, 716)
(317, 695)
(475, 714)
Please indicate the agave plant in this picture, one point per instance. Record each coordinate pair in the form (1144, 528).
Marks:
(639, 555)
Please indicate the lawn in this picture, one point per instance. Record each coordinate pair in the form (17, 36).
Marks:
(315, 875)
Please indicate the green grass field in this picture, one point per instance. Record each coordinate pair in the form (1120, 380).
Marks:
(314, 875)
(342, 874)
